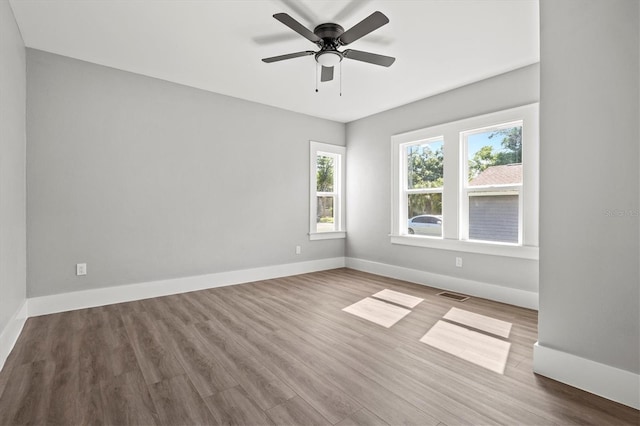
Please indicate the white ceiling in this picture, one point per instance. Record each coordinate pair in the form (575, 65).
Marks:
(216, 45)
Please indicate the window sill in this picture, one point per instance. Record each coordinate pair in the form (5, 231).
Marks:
(327, 235)
(493, 249)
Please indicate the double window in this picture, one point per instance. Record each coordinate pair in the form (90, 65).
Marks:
(469, 185)
(326, 203)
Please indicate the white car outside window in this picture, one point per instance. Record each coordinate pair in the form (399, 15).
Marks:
(425, 224)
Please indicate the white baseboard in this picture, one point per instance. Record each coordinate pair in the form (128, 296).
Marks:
(512, 296)
(44, 305)
(11, 333)
(604, 380)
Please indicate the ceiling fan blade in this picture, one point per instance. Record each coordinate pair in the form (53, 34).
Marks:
(288, 56)
(364, 27)
(371, 58)
(297, 27)
(327, 74)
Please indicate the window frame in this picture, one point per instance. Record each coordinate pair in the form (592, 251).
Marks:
(455, 165)
(406, 191)
(338, 152)
(487, 190)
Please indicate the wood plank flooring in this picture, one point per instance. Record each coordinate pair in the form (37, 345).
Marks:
(279, 352)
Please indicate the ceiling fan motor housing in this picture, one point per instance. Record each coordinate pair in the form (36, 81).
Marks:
(329, 33)
(328, 55)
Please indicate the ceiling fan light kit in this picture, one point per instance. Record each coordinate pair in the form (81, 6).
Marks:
(328, 58)
(329, 37)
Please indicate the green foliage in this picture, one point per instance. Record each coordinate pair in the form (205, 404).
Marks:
(324, 174)
(324, 183)
(511, 138)
(511, 145)
(425, 167)
(481, 160)
(511, 152)
(424, 204)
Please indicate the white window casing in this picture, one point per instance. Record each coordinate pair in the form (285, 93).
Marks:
(337, 153)
(455, 192)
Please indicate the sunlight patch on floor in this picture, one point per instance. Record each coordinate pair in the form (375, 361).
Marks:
(377, 311)
(479, 322)
(398, 298)
(480, 349)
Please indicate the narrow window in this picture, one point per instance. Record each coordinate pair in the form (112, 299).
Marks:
(492, 200)
(423, 181)
(326, 191)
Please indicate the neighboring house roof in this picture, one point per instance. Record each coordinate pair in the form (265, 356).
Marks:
(499, 175)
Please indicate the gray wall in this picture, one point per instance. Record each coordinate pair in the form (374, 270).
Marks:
(12, 167)
(144, 179)
(589, 254)
(369, 180)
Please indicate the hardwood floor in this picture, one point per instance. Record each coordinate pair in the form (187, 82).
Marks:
(280, 352)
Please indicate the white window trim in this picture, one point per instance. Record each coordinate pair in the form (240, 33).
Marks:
(466, 190)
(454, 164)
(404, 192)
(316, 148)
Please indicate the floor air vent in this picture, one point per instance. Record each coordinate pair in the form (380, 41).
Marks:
(456, 297)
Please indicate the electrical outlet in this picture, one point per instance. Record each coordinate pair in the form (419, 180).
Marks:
(459, 262)
(81, 269)
(298, 249)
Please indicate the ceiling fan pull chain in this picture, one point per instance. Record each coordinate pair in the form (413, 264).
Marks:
(317, 65)
(340, 78)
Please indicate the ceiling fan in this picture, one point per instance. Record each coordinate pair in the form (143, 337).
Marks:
(329, 37)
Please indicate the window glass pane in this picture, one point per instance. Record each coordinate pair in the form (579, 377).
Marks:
(495, 157)
(425, 165)
(493, 218)
(425, 214)
(325, 173)
(325, 219)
